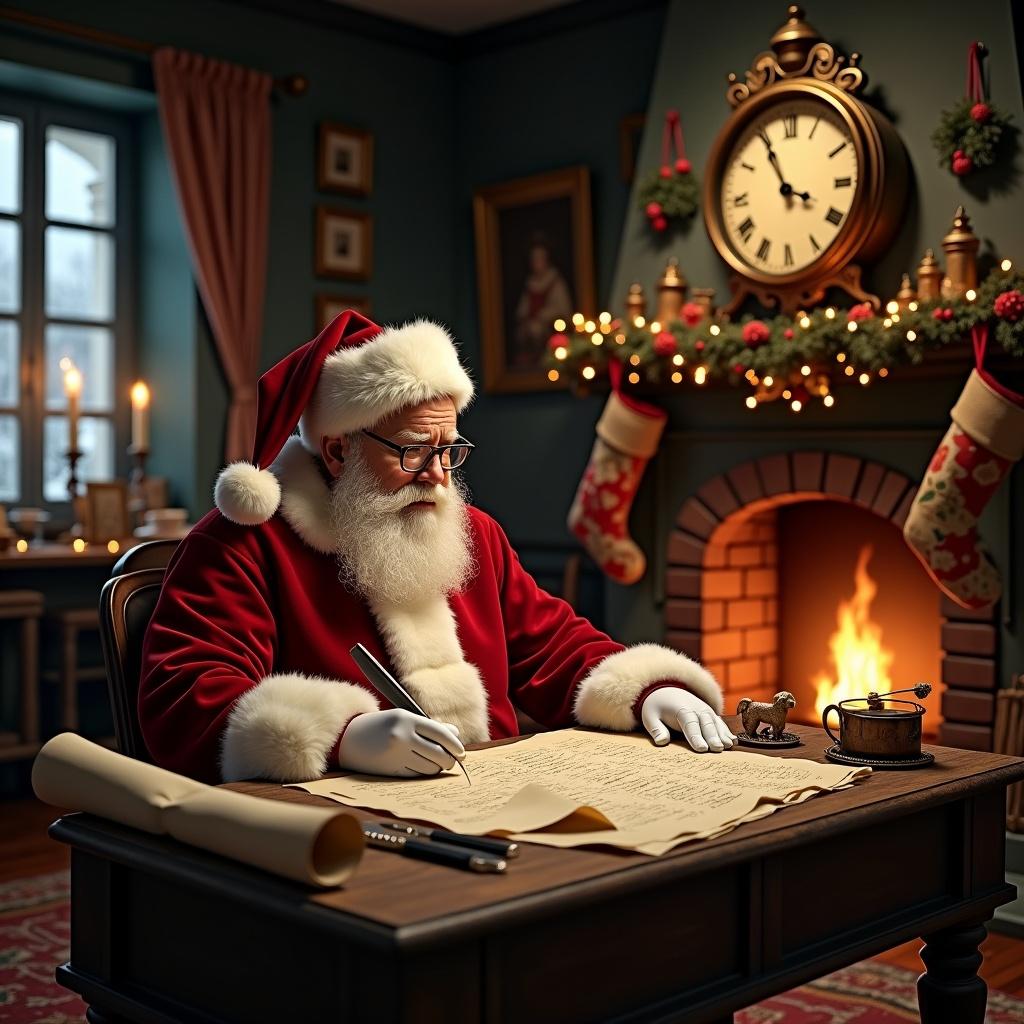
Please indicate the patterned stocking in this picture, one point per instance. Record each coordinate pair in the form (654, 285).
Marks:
(985, 438)
(627, 436)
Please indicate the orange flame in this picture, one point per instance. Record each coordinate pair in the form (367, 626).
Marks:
(861, 664)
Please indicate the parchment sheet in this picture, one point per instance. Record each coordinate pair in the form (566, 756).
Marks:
(580, 787)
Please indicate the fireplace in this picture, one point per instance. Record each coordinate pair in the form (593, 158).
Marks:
(790, 572)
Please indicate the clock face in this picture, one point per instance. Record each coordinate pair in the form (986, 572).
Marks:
(789, 183)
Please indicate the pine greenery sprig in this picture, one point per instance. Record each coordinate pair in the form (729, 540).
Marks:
(959, 132)
(676, 195)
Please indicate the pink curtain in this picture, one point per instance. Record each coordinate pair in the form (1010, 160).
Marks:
(216, 124)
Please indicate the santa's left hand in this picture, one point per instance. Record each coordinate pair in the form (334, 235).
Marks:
(674, 708)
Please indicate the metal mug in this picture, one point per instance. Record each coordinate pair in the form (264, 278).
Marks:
(866, 731)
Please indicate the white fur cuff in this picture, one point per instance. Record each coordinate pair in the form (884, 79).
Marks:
(606, 696)
(285, 726)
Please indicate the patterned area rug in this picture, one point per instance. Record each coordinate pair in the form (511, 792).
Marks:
(35, 936)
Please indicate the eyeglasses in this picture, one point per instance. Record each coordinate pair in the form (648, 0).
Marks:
(417, 457)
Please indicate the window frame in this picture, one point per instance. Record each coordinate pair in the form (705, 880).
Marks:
(36, 114)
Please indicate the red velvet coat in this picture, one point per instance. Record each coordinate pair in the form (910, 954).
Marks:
(246, 666)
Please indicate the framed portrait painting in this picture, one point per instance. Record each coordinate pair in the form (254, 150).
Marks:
(329, 306)
(534, 264)
(344, 160)
(344, 243)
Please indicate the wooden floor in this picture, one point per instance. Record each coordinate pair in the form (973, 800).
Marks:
(25, 849)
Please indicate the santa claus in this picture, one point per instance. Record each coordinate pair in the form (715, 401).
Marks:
(357, 530)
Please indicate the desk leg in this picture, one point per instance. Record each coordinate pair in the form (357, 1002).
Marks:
(950, 992)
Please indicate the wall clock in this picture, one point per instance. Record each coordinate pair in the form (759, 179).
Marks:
(805, 181)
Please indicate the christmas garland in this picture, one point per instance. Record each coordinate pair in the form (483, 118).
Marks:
(668, 197)
(772, 353)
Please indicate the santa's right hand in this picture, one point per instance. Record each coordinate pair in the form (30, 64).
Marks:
(399, 743)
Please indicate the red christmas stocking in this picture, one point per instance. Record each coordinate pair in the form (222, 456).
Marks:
(627, 436)
(984, 440)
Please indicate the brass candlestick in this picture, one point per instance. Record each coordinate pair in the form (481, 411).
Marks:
(136, 490)
(636, 303)
(72, 455)
(705, 298)
(671, 293)
(929, 278)
(906, 295)
(961, 249)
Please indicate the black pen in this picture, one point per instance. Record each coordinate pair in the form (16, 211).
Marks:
(391, 689)
(429, 849)
(499, 847)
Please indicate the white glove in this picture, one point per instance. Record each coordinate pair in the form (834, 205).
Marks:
(674, 708)
(398, 742)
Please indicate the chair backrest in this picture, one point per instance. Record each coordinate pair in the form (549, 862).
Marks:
(127, 602)
(150, 554)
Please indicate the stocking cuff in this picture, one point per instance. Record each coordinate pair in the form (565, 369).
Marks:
(628, 431)
(989, 419)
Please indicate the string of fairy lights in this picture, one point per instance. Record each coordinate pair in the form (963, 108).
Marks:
(792, 359)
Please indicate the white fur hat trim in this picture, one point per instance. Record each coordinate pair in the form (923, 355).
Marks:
(399, 367)
(246, 495)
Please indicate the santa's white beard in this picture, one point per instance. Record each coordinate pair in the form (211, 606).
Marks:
(390, 553)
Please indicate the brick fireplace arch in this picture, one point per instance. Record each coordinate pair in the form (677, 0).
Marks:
(721, 581)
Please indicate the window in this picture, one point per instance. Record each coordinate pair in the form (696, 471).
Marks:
(64, 290)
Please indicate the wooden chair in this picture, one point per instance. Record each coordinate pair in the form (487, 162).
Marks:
(26, 608)
(126, 606)
(69, 623)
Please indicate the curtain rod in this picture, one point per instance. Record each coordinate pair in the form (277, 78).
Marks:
(289, 85)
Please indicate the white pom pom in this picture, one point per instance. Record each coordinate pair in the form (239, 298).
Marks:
(246, 495)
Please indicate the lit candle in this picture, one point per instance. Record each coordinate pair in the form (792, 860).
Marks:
(140, 415)
(73, 390)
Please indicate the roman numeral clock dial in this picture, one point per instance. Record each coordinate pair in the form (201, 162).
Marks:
(805, 180)
(787, 186)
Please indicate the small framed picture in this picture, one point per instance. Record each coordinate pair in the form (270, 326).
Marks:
(329, 306)
(106, 511)
(344, 160)
(344, 243)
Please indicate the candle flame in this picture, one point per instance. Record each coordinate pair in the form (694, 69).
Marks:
(140, 395)
(861, 663)
(72, 381)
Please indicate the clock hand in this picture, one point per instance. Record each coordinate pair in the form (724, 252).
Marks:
(784, 188)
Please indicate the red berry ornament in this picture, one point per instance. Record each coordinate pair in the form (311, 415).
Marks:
(962, 164)
(947, 314)
(665, 171)
(699, 346)
(683, 166)
(665, 344)
(653, 210)
(692, 313)
(558, 341)
(788, 334)
(981, 112)
(1009, 306)
(862, 311)
(659, 223)
(755, 333)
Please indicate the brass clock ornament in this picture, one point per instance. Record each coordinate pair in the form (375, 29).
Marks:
(805, 180)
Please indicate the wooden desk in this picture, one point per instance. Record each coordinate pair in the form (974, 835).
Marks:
(162, 932)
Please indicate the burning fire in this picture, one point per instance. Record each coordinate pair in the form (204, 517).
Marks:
(861, 663)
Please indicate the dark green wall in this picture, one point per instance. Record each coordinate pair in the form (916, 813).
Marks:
(530, 108)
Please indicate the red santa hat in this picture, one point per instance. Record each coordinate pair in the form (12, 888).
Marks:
(352, 375)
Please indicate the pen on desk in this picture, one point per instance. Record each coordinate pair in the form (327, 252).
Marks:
(499, 847)
(429, 849)
(390, 688)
